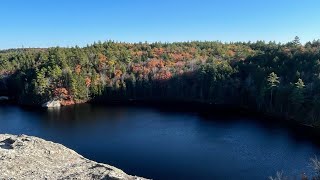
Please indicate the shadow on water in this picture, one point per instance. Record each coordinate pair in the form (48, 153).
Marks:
(77, 114)
(224, 114)
(80, 114)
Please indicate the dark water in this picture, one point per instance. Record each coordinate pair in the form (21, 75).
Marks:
(162, 144)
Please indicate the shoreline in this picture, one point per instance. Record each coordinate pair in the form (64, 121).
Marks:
(185, 106)
(207, 109)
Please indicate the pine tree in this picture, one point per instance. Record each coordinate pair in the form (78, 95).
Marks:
(297, 96)
(296, 41)
(273, 82)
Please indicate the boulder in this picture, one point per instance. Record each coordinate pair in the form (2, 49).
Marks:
(27, 157)
(52, 104)
(4, 98)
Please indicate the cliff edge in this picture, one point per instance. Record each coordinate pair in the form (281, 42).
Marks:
(27, 157)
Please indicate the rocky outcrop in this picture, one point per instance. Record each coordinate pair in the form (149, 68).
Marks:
(4, 98)
(51, 104)
(26, 157)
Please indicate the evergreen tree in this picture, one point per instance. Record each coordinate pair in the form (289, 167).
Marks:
(297, 96)
(296, 41)
(273, 82)
(214, 72)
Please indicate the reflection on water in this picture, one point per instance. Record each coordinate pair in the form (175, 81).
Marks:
(169, 144)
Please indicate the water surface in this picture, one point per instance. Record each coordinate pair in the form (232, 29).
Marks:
(163, 144)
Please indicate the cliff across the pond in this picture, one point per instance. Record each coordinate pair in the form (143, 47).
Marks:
(27, 157)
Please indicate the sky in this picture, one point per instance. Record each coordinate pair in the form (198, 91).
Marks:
(47, 23)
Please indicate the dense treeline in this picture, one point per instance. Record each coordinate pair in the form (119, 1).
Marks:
(274, 78)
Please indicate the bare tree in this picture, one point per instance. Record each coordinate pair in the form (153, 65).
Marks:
(316, 166)
(279, 176)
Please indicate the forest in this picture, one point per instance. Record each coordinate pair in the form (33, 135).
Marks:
(278, 79)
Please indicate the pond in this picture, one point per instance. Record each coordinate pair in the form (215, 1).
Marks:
(166, 144)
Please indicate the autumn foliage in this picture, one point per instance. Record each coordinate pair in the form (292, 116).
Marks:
(214, 72)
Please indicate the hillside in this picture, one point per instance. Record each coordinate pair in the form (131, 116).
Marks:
(277, 79)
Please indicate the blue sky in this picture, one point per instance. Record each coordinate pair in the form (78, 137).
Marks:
(45, 23)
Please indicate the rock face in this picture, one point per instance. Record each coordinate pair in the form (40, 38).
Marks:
(26, 157)
(52, 104)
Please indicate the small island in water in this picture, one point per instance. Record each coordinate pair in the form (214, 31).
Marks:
(276, 80)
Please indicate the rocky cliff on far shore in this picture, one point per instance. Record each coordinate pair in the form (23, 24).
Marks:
(27, 157)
